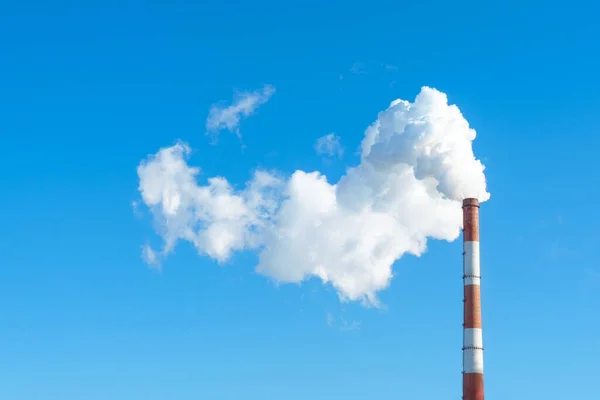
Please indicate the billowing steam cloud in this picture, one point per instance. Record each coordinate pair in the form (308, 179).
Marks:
(417, 164)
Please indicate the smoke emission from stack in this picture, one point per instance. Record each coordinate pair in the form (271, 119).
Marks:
(416, 167)
(472, 332)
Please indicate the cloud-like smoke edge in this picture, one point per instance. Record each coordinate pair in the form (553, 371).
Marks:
(221, 117)
(417, 164)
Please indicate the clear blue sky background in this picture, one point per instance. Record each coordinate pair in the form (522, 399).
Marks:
(88, 89)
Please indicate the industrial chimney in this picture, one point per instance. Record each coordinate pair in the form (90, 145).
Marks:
(472, 335)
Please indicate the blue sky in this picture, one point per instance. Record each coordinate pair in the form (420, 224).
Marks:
(88, 91)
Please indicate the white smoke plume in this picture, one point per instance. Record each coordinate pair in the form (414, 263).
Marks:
(417, 164)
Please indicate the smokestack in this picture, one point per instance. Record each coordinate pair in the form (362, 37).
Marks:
(472, 334)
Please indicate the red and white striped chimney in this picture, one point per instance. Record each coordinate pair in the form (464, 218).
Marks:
(472, 334)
